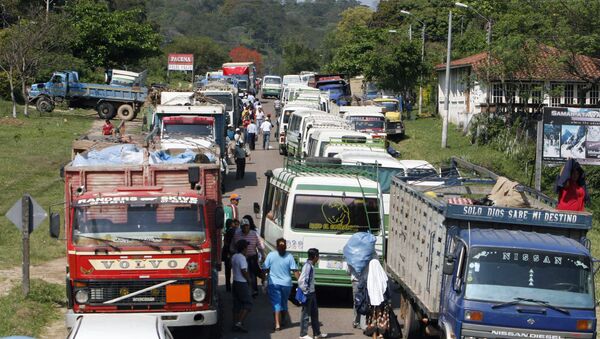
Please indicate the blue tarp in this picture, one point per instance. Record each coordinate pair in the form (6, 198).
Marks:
(128, 154)
(359, 250)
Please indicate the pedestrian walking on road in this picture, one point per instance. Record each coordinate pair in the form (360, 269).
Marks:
(378, 316)
(255, 247)
(231, 210)
(230, 227)
(252, 130)
(260, 116)
(278, 266)
(265, 128)
(240, 160)
(242, 302)
(310, 309)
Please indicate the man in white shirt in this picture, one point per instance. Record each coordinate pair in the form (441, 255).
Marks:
(242, 301)
(265, 128)
(252, 131)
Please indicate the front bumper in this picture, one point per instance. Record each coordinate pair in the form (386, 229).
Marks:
(171, 319)
(492, 332)
(271, 91)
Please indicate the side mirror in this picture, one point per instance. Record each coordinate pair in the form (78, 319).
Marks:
(219, 216)
(448, 268)
(256, 208)
(54, 225)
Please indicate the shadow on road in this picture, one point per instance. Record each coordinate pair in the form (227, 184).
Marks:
(231, 184)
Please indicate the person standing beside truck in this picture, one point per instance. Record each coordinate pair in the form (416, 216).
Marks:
(255, 247)
(242, 302)
(310, 308)
(240, 160)
(571, 187)
(230, 227)
(378, 316)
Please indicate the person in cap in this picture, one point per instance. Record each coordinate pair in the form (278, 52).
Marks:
(231, 210)
(242, 302)
(255, 247)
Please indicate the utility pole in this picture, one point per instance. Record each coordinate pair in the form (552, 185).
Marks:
(447, 100)
(421, 75)
(410, 32)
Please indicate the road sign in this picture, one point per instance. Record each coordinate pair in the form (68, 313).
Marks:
(15, 214)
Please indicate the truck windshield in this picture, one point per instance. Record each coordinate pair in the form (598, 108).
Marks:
(199, 130)
(225, 99)
(502, 275)
(368, 124)
(390, 106)
(160, 224)
(335, 214)
(272, 81)
(243, 84)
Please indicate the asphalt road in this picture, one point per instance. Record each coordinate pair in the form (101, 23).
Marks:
(335, 304)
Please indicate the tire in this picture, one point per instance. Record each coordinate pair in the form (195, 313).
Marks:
(412, 328)
(216, 330)
(106, 110)
(44, 105)
(126, 112)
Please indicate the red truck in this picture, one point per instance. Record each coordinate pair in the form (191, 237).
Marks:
(144, 239)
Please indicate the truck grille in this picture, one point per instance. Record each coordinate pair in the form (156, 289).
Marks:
(101, 291)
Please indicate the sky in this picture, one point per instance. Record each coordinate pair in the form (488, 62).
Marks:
(371, 3)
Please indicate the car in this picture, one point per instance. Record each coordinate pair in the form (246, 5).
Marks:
(119, 326)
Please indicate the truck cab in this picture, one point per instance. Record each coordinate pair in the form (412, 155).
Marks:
(366, 121)
(513, 283)
(394, 126)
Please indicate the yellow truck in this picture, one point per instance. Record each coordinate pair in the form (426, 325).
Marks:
(394, 127)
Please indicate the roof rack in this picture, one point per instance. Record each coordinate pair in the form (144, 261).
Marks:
(328, 166)
(357, 141)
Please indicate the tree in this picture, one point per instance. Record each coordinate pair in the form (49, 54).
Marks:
(108, 39)
(23, 47)
(297, 58)
(242, 54)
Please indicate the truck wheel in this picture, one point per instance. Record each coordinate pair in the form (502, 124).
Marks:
(44, 105)
(106, 110)
(126, 112)
(412, 328)
(216, 330)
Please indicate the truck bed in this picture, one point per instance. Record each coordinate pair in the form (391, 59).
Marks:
(114, 93)
(421, 216)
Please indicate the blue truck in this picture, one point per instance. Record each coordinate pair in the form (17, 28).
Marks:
(470, 269)
(337, 87)
(122, 96)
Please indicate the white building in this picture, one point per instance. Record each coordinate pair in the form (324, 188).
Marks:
(550, 82)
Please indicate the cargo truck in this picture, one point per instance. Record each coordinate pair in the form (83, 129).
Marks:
(143, 238)
(123, 95)
(470, 270)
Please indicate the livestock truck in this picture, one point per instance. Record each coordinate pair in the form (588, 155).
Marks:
(143, 239)
(469, 270)
(122, 96)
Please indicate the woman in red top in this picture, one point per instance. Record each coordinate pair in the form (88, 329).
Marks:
(108, 128)
(571, 187)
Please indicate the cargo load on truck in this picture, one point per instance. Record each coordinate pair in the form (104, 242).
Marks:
(484, 257)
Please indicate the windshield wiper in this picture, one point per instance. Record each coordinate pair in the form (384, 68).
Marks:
(535, 301)
(143, 241)
(105, 241)
(182, 241)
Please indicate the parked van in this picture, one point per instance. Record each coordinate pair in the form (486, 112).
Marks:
(293, 91)
(320, 139)
(293, 133)
(271, 86)
(291, 79)
(367, 121)
(314, 123)
(320, 207)
(284, 119)
(301, 123)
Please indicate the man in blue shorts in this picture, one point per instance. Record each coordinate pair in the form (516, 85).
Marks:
(279, 266)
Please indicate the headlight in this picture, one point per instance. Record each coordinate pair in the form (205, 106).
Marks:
(198, 294)
(82, 296)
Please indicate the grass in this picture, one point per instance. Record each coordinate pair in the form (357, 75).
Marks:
(28, 316)
(33, 150)
(423, 141)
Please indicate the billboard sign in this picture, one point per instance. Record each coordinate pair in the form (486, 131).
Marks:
(180, 62)
(571, 133)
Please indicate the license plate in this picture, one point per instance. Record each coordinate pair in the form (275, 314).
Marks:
(331, 264)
